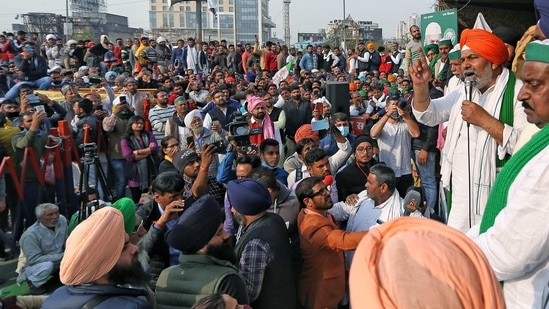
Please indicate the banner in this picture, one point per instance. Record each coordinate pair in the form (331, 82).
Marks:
(437, 26)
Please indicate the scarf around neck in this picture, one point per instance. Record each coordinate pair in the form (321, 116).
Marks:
(500, 190)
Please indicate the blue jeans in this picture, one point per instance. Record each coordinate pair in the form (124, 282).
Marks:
(43, 83)
(119, 171)
(428, 179)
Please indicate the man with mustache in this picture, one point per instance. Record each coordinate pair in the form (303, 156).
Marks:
(43, 244)
(513, 232)
(207, 263)
(482, 132)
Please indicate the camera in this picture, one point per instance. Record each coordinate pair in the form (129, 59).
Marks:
(403, 104)
(89, 151)
(241, 131)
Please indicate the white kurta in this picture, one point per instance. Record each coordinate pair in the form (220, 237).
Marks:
(483, 148)
(517, 245)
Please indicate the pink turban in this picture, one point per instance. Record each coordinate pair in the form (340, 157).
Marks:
(486, 44)
(419, 263)
(268, 127)
(94, 247)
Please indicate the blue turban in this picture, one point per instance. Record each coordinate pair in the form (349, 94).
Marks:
(248, 196)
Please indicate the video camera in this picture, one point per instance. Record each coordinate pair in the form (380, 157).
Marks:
(240, 130)
(89, 151)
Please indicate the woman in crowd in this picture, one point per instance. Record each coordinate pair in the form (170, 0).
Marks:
(170, 146)
(139, 147)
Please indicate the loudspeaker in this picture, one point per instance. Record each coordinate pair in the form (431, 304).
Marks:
(338, 95)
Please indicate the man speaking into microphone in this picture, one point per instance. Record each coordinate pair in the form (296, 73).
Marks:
(494, 115)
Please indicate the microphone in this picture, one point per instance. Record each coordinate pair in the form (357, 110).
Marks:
(411, 202)
(328, 180)
(469, 83)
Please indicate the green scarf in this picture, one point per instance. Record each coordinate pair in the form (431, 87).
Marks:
(432, 64)
(506, 113)
(498, 196)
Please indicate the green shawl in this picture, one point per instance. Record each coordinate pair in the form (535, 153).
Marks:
(500, 190)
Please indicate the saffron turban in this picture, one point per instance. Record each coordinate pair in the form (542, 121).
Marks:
(94, 247)
(268, 128)
(486, 44)
(396, 258)
(305, 131)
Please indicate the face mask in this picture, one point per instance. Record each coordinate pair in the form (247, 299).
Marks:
(13, 114)
(125, 114)
(296, 97)
(344, 130)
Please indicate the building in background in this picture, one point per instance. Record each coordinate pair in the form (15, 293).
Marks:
(355, 31)
(251, 18)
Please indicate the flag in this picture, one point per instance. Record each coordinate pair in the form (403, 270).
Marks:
(283, 73)
(212, 5)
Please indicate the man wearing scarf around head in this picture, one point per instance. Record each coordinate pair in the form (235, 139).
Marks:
(514, 232)
(261, 119)
(482, 133)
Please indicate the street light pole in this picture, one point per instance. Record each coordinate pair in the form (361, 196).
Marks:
(199, 19)
(344, 27)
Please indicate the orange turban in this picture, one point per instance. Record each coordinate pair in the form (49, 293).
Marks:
(486, 44)
(419, 263)
(304, 131)
(352, 86)
(94, 247)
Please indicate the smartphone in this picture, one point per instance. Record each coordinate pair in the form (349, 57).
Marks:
(319, 107)
(33, 99)
(220, 147)
(122, 99)
(94, 80)
(40, 108)
(215, 121)
(190, 139)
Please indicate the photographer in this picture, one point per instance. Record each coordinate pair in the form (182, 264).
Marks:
(197, 137)
(394, 132)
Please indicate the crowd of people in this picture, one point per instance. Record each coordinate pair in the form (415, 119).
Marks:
(230, 186)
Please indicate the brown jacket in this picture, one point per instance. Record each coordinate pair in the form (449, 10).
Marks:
(323, 276)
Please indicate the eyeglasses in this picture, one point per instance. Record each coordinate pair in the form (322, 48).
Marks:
(362, 149)
(323, 191)
(174, 145)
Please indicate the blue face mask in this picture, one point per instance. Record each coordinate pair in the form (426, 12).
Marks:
(344, 130)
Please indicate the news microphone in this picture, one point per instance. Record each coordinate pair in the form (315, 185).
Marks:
(469, 83)
(411, 202)
(328, 180)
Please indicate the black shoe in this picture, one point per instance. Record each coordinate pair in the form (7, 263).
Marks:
(33, 290)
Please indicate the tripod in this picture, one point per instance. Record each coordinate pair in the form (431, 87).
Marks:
(91, 160)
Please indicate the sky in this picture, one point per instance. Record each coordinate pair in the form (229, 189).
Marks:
(387, 13)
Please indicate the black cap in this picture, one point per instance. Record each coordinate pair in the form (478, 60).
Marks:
(21, 32)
